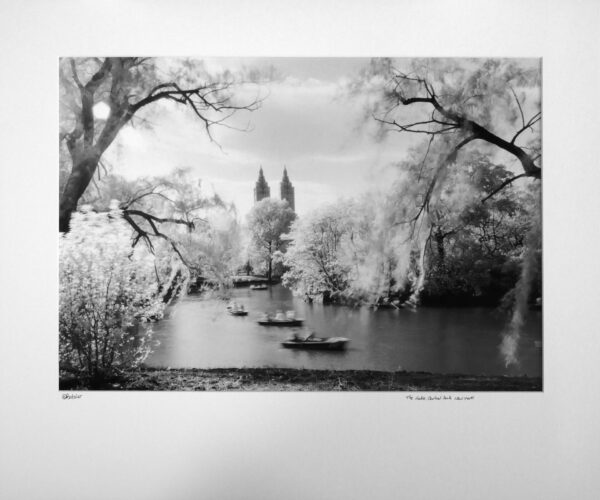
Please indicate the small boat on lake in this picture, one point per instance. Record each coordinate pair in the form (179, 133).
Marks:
(316, 343)
(280, 319)
(236, 309)
(258, 287)
(281, 322)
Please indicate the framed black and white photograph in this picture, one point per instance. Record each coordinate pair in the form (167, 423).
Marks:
(300, 223)
(281, 250)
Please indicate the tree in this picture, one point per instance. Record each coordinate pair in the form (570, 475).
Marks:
(315, 256)
(349, 251)
(476, 247)
(127, 85)
(456, 104)
(268, 221)
(218, 248)
(194, 236)
(107, 290)
(461, 251)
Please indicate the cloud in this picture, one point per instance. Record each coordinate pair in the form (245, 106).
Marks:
(303, 124)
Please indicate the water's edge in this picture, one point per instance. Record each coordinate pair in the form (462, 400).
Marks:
(291, 379)
(199, 333)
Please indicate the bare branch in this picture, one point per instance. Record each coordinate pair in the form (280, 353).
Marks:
(425, 157)
(153, 218)
(140, 233)
(150, 193)
(198, 100)
(534, 119)
(502, 186)
(75, 75)
(518, 104)
(461, 122)
(99, 76)
(103, 166)
(408, 128)
(427, 196)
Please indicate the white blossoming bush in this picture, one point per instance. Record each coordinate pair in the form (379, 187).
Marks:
(108, 293)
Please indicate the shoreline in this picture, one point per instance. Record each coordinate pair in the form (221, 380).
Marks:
(300, 380)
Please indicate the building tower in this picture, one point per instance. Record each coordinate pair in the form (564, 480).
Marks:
(287, 190)
(262, 189)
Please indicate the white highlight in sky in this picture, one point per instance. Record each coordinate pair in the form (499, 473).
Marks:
(101, 111)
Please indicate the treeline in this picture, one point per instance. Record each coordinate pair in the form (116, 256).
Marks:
(385, 248)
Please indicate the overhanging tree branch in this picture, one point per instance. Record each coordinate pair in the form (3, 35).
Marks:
(502, 186)
(450, 158)
(534, 119)
(118, 81)
(153, 218)
(146, 236)
(457, 121)
(519, 105)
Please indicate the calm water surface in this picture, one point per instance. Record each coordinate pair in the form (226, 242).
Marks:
(198, 332)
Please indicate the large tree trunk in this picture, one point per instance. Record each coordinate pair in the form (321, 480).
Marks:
(83, 170)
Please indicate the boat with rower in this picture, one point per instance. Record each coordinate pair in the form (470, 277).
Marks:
(280, 319)
(236, 309)
(316, 343)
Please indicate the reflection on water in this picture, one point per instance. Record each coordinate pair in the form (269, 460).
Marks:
(198, 332)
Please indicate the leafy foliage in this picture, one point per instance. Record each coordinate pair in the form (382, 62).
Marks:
(268, 221)
(315, 256)
(192, 234)
(462, 252)
(107, 294)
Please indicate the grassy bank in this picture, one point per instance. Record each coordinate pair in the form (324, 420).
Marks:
(289, 379)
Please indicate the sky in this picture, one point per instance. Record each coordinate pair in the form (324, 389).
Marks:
(305, 124)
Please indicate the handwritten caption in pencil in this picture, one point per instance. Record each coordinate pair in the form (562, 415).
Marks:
(443, 397)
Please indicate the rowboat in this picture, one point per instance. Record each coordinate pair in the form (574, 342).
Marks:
(317, 343)
(236, 309)
(280, 319)
(258, 287)
(280, 322)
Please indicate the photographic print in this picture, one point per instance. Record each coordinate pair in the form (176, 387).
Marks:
(300, 224)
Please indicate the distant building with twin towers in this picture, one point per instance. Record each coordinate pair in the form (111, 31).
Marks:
(262, 189)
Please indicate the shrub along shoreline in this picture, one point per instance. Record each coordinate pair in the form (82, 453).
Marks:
(291, 379)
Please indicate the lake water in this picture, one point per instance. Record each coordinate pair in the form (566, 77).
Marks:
(198, 332)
